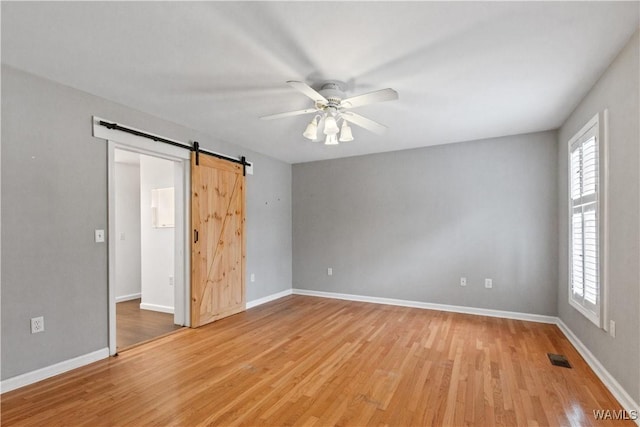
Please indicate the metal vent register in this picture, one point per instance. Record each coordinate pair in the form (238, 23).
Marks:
(559, 360)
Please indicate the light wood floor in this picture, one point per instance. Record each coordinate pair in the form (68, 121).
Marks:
(134, 325)
(314, 361)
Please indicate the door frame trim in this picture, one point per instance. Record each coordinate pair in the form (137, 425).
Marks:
(121, 140)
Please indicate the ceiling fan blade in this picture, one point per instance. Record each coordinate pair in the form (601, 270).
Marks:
(289, 114)
(363, 122)
(387, 94)
(308, 90)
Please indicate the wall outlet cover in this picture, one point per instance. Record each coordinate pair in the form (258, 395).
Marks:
(612, 328)
(37, 324)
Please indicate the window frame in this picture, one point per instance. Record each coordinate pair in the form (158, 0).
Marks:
(594, 127)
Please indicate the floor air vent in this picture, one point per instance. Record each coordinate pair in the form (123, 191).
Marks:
(559, 360)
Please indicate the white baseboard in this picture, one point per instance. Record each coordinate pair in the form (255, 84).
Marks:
(432, 306)
(268, 298)
(128, 297)
(156, 307)
(50, 371)
(607, 379)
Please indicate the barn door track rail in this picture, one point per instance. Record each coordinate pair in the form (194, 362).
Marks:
(195, 147)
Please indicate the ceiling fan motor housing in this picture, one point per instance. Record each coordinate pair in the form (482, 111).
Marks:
(333, 92)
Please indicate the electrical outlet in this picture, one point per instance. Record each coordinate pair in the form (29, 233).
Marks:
(329, 271)
(171, 281)
(612, 328)
(253, 277)
(37, 324)
(463, 281)
(488, 283)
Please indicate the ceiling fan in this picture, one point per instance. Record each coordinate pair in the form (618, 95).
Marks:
(331, 107)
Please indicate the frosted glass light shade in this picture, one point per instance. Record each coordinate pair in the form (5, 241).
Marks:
(311, 132)
(331, 140)
(330, 126)
(345, 133)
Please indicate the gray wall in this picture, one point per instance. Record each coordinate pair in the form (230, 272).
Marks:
(409, 224)
(128, 250)
(616, 90)
(54, 194)
(157, 246)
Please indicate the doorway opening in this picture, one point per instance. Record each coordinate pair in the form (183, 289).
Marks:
(144, 247)
(148, 260)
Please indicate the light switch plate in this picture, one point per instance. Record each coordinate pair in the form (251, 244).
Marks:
(99, 236)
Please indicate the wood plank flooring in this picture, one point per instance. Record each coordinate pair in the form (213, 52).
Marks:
(134, 325)
(318, 362)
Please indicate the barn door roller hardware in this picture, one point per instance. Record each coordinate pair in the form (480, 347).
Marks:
(195, 147)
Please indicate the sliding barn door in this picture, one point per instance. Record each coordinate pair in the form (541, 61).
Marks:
(218, 249)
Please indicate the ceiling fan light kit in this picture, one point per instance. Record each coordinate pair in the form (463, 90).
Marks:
(331, 107)
(330, 125)
(345, 132)
(331, 140)
(311, 132)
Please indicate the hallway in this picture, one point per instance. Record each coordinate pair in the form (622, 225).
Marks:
(135, 325)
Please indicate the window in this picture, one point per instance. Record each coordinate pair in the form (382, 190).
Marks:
(585, 284)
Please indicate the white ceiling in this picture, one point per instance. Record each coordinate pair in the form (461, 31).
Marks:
(463, 70)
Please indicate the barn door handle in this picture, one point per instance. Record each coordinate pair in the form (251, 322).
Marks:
(195, 236)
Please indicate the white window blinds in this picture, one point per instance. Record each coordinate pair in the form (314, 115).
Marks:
(584, 248)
